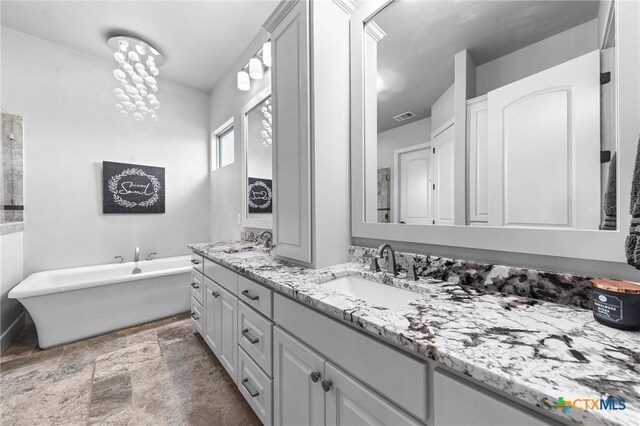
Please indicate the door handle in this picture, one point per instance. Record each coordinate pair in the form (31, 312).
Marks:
(252, 340)
(194, 285)
(252, 392)
(326, 385)
(315, 376)
(249, 295)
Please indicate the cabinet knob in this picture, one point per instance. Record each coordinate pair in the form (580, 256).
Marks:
(326, 385)
(215, 293)
(315, 376)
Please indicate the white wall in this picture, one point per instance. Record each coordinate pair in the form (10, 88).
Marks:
(401, 137)
(537, 57)
(442, 110)
(70, 127)
(11, 273)
(226, 101)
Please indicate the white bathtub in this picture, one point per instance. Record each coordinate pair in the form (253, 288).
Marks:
(76, 303)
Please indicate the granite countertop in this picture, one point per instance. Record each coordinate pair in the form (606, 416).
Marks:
(535, 351)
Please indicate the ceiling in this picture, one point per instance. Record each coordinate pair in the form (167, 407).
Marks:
(201, 40)
(416, 57)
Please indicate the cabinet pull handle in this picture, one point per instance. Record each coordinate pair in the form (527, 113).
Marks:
(194, 285)
(315, 376)
(195, 261)
(326, 385)
(252, 340)
(215, 293)
(195, 316)
(249, 295)
(252, 392)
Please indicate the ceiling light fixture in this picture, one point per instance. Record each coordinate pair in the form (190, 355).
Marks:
(138, 64)
(256, 68)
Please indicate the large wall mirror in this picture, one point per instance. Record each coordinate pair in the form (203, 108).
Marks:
(489, 114)
(257, 164)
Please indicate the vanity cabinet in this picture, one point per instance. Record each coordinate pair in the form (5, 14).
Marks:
(310, 92)
(221, 309)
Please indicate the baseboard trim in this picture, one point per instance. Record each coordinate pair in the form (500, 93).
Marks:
(12, 332)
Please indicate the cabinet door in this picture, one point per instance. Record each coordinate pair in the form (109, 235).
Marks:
(477, 142)
(298, 400)
(350, 403)
(228, 352)
(212, 315)
(291, 150)
(443, 156)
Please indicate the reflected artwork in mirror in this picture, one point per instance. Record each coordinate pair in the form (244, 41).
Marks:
(258, 166)
(491, 113)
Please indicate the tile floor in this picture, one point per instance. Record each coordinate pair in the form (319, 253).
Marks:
(158, 373)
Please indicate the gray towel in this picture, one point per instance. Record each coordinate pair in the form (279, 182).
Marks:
(610, 199)
(632, 246)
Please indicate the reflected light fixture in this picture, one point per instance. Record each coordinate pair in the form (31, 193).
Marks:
(256, 68)
(138, 63)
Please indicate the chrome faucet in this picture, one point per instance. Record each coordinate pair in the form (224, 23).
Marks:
(391, 258)
(267, 237)
(150, 255)
(120, 257)
(136, 256)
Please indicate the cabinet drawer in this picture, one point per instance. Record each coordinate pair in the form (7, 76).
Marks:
(223, 276)
(256, 387)
(256, 295)
(255, 335)
(197, 261)
(197, 286)
(362, 356)
(197, 316)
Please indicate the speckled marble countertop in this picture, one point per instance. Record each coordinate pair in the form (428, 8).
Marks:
(534, 351)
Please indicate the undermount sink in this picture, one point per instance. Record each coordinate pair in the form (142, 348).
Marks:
(249, 254)
(372, 292)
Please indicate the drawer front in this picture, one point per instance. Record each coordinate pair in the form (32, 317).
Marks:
(256, 295)
(255, 335)
(360, 355)
(197, 315)
(256, 387)
(197, 286)
(223, 276)
(197, 262)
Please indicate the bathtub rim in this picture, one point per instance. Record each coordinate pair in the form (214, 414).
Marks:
(23, 293)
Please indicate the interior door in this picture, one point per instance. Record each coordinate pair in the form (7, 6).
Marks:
(544, 150)
(413, 169)
(212, 315)
(298, 400)
(228, 352)
(443, 176)
(349, 403)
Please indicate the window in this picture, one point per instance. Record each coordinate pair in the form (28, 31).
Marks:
(223, 146)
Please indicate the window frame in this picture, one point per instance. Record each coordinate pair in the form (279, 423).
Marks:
(215, 144)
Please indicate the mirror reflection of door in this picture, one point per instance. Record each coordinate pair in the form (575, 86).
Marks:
(414, 194)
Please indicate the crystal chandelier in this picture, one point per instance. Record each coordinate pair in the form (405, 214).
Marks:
(138, 64)
(267, 132)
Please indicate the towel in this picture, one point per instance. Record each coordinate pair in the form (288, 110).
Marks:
(610, 199)
(632, 242)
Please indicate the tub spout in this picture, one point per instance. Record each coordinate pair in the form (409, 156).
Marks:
(137, 255)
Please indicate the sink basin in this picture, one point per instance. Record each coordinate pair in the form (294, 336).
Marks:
(372, 292)
(249, 254)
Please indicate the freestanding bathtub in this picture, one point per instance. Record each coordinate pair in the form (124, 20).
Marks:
(76, 303)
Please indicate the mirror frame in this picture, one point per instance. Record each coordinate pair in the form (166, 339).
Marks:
(568, 243)
(247, 221)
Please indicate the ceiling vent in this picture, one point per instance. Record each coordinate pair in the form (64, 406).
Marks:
(404, 116)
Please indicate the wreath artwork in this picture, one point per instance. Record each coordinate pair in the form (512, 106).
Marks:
(259, 194)
(129, 188)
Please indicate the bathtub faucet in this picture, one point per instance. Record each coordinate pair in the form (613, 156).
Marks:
(120, 257)
(150, 255)
(137, 255)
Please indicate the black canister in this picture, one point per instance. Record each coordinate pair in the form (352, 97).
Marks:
(616, 303)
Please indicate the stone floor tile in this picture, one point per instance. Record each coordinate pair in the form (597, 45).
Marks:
(126, 360)
(112, 401)
(23, 345)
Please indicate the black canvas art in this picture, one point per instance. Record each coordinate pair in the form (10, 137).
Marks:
(259, 195)
(132, 188)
